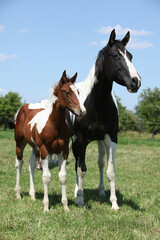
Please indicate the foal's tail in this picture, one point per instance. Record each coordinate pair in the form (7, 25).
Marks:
(12, 122)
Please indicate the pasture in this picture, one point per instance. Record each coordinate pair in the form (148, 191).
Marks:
(137, 166)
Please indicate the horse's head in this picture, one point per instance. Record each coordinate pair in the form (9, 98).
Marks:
(117, 63)
(68, 95)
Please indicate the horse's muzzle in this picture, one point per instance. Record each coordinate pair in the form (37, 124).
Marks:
(135, 85)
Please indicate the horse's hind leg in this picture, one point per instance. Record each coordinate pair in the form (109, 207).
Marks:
(32, 166)
(101, 163)
(18, 166)
(111, 149)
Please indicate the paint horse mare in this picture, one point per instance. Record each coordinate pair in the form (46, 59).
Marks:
(114, 63)
(43, 127)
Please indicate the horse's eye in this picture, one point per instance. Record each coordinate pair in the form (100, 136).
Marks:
(115, 56)
(67, 93)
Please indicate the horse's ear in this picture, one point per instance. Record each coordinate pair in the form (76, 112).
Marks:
(126, 39)
(73, 79)
(112, 38)
(63, 78)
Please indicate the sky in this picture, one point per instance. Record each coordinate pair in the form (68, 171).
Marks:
(39, 39)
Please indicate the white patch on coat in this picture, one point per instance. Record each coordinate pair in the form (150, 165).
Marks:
(86, 86)
(132, 70)
(41, 117)
(115, 101)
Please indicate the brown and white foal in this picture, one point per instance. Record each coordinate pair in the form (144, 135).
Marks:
(43, 127)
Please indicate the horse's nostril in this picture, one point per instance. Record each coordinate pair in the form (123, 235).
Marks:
(135, 81)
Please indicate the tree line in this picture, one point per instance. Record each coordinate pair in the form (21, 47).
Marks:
(145, 118)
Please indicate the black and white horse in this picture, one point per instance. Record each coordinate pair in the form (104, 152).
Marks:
(114, 63)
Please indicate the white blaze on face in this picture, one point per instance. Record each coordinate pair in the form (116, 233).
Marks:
(74, 89)
(132, 70)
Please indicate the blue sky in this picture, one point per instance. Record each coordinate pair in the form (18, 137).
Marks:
(39, 39)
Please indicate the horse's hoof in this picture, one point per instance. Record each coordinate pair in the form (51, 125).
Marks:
(102, 193)
(80, 202)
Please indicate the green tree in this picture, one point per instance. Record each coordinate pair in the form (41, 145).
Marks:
(148, 109)
(127, 120)
(9, 104)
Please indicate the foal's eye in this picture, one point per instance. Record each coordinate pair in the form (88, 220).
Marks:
(67, 93)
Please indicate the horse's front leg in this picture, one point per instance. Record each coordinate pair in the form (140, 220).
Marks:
(101, 163)
(79, 153)
(46, 180)
(62, 178)
(111, 149)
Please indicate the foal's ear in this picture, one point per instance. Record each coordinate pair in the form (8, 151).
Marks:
(73, 79)
(126, 39)
(112, 38)
(63, 78)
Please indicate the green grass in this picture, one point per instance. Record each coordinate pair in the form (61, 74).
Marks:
(137, 187)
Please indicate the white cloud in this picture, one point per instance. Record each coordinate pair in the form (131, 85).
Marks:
(14, 56)
(4, 57)
(93, 44)
(137, 44)
(133, 43)
(122, 31)
(2, 91)
(24, 30)
(2, 28)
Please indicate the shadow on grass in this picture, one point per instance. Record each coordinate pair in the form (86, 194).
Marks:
(90, 195)
(54, 199)
(93, 194)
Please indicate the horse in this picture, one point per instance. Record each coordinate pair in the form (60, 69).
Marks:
(113, 64)
(43, 126)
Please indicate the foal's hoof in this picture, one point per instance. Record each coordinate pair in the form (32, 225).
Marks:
(46, 209)
(66, 208)
(32, 195)
(115, 207)
(18, 195)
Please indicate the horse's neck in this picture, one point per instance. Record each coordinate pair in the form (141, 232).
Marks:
(98, 86)
(104, 88)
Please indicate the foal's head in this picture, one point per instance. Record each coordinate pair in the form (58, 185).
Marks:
(68, 95)
(115, 62)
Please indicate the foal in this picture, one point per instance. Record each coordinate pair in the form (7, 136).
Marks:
(43, 127)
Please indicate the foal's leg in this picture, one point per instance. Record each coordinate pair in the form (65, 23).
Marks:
(101, 163)
(111, 149)
(18, 166)
(46, 180)
(62, 178)
(32, 166)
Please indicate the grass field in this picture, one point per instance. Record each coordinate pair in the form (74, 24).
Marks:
(137, 187)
